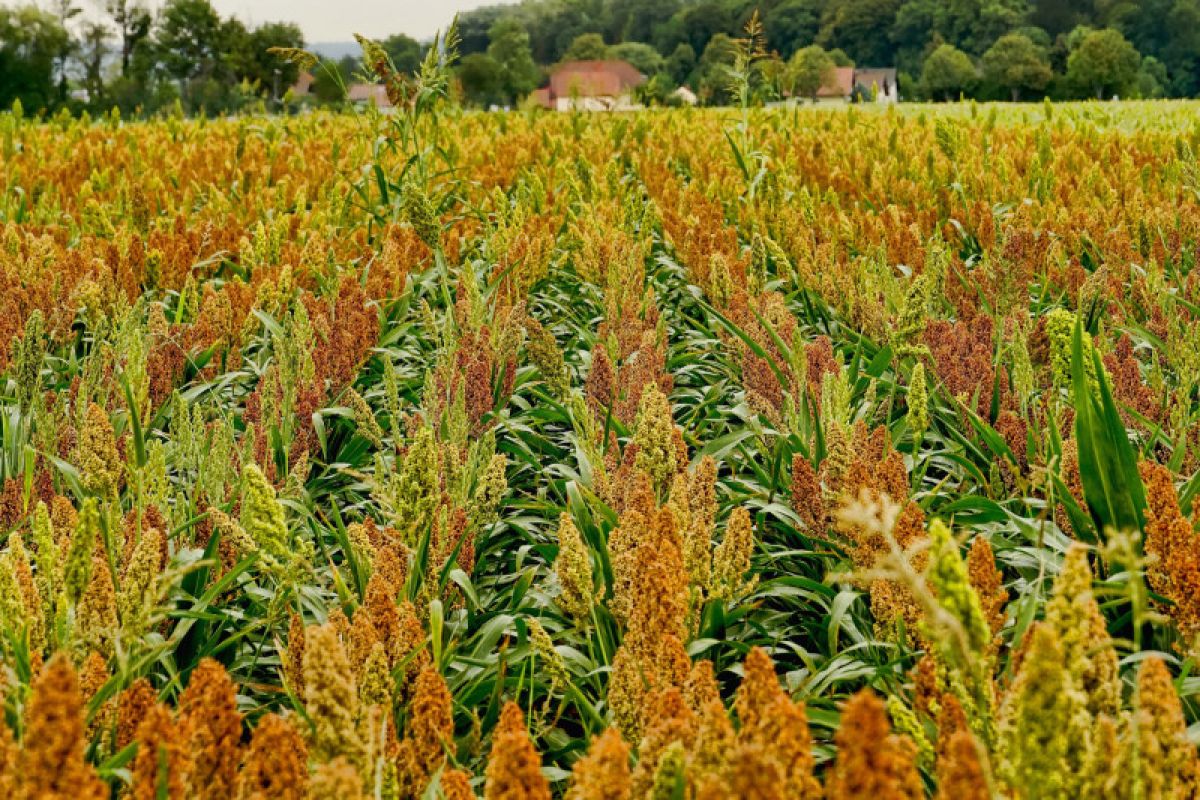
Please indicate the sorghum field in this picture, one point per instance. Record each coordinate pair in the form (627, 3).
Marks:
(681, 454)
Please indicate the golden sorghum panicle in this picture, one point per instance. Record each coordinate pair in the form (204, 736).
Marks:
(807, 499)
(701, 505)
(133, 704)
(275, 766)
(209, 719)
(654, 435)
(669, 775)
(10, 762)
(959, 772)
(1044, 724)
(78, 570)
(135, 602)
(603, 774)
(731, 559)
(293, 657)
(871, 760)
(28, 589)
(669, 722)
(514, 770)
(330, 695)
(96, 454)
(549, 660)
(335, 780)
(988, 583)
(455, 785)
(96, 619)
(162, 761)
(262, 516)
(775, 728)
(547, 356)
(1175, 548)
(573, 567)
(53, 756)
(430, 722)
(1073, 613)
(1167, 759)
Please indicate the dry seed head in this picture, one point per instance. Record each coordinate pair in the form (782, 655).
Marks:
(603, 774)
(162, 759)
(871, 760)
(275, 766)
(514, 770)
(53, 756)
(209, 719)
(1168, 761)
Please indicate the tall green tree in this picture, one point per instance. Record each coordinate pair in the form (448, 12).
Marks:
(132, 21)
(642, 56)
(31, 41)
(808, 70)
(404, 51)
(587, 47)
(482, 80)
(1017, 64)
(1103, 63)
(947, 73)
(509, 48)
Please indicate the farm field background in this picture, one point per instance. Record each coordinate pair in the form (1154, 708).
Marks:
(775, 453)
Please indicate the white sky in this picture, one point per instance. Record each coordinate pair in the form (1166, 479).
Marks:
(339, 20)
(330, 20)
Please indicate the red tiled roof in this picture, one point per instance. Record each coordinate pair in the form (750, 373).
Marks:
(594, 79)
(841, 84)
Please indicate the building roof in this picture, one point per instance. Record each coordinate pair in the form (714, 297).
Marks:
(303, 84)
(610, 78)
(369, 93)
(840, 83)
(883, 77)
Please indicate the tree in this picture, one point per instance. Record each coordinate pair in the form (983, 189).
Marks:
(713, 71)
(93, 50)
(482, 79)
(808, 70)
(947, 73)
(1103, 63)
(1152, 78)
(132, 21)
(330, 79)
(186, 39)
(681, 62)
(792, 24)
(404, 51)
(642, 56)
(1015, 63)
(510, 49)
(31, 41)
(587, 47)
(859, 27)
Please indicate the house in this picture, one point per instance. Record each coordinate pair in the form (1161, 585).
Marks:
(877, 83)
(590, 86)
(839, 87)
(303, 85)
(864, 83)
(368, 94)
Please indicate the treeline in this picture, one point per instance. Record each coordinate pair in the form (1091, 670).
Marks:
(117, 53)
(987, 49)
(187, 54)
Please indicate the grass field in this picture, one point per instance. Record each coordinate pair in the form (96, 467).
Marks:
(687, 454)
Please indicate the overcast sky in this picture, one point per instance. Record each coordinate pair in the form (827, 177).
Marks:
(339, 20)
